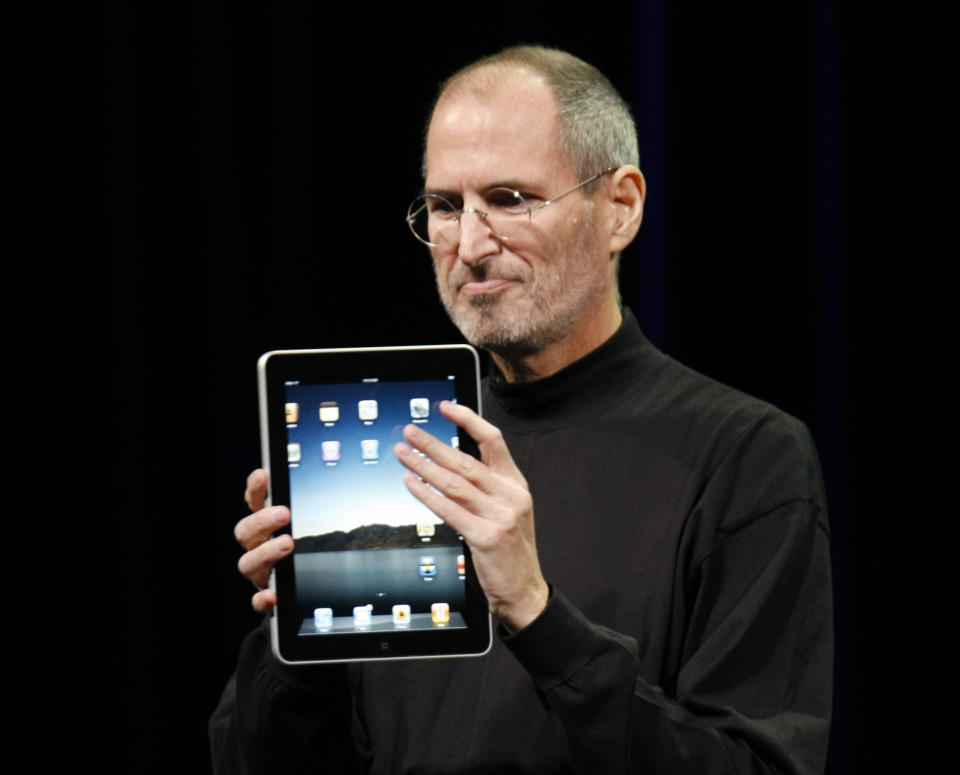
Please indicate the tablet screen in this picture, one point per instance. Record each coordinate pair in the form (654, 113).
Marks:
(374, 573)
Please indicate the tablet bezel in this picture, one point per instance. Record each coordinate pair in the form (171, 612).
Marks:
(353, 365)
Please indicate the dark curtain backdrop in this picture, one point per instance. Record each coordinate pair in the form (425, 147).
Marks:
(259, 160)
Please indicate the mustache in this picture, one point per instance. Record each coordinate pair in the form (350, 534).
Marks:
(486, 271)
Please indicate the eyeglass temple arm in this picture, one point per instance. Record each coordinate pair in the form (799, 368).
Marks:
(581, 184)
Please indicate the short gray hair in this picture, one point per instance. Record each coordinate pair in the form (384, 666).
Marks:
(596, 128)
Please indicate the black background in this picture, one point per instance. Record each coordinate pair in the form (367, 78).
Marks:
(258, 163)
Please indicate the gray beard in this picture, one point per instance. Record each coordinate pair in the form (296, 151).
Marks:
(512, 342)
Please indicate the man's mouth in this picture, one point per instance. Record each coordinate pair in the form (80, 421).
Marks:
(485, 286)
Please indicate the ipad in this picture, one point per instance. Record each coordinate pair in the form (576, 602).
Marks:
(374, 575)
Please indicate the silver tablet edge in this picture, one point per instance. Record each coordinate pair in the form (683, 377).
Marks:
(274, 640)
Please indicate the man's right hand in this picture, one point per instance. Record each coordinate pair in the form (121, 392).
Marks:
(254, 534)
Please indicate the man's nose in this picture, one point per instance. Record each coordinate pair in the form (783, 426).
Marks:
(477, 239)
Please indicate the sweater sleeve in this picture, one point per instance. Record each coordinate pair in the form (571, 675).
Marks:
(753, 689)
(274, 719)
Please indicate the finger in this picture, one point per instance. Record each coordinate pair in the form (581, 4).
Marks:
(486, 525)
(458, 476)
(256, 493)
(253, 530)
(257, 563)
(264, 601)
(493, 449)
(455, 495)
(449, 511)
(442, 455)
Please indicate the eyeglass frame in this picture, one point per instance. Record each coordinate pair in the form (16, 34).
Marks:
(528, 210)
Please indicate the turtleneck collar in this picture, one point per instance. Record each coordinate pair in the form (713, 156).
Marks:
(576, 391)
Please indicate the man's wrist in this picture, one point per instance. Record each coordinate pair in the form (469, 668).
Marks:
(519, 615)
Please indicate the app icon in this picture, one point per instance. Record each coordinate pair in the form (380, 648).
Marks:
(419, 408)
(291, 413)
(323, 617)
(293, 452)
(440, 613)
(329, 411)
(428, 567)
(330, 450)
(361, 615)
(426, 529)
(461, 565)
(367, 409)
(455, 442)
(401, 615)
(370, 449)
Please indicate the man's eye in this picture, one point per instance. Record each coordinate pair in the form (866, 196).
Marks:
(442, 207)
(506, 200)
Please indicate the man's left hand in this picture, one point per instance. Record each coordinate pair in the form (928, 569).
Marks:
(489, 502)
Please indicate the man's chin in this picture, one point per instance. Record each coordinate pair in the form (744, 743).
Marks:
(503, 337)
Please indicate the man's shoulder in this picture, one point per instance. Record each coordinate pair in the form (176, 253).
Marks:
(721, 433)
(697, 404)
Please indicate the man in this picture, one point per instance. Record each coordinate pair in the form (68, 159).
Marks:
(672, 611)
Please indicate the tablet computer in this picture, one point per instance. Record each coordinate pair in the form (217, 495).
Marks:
(374, 574)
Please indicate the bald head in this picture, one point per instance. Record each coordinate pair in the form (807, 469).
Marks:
(595, 129)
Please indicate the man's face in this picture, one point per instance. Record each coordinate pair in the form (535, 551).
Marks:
(520, 296)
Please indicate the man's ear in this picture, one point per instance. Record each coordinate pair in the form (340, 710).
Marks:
(626, 191)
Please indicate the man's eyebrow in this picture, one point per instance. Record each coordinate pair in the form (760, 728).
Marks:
(442, 192)
(513, 185)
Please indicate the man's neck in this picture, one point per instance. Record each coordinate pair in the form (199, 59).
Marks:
(580, 342)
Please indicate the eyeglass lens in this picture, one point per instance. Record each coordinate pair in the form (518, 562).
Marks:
(435, 220)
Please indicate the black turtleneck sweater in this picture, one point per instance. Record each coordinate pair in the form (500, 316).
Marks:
(682, 527)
